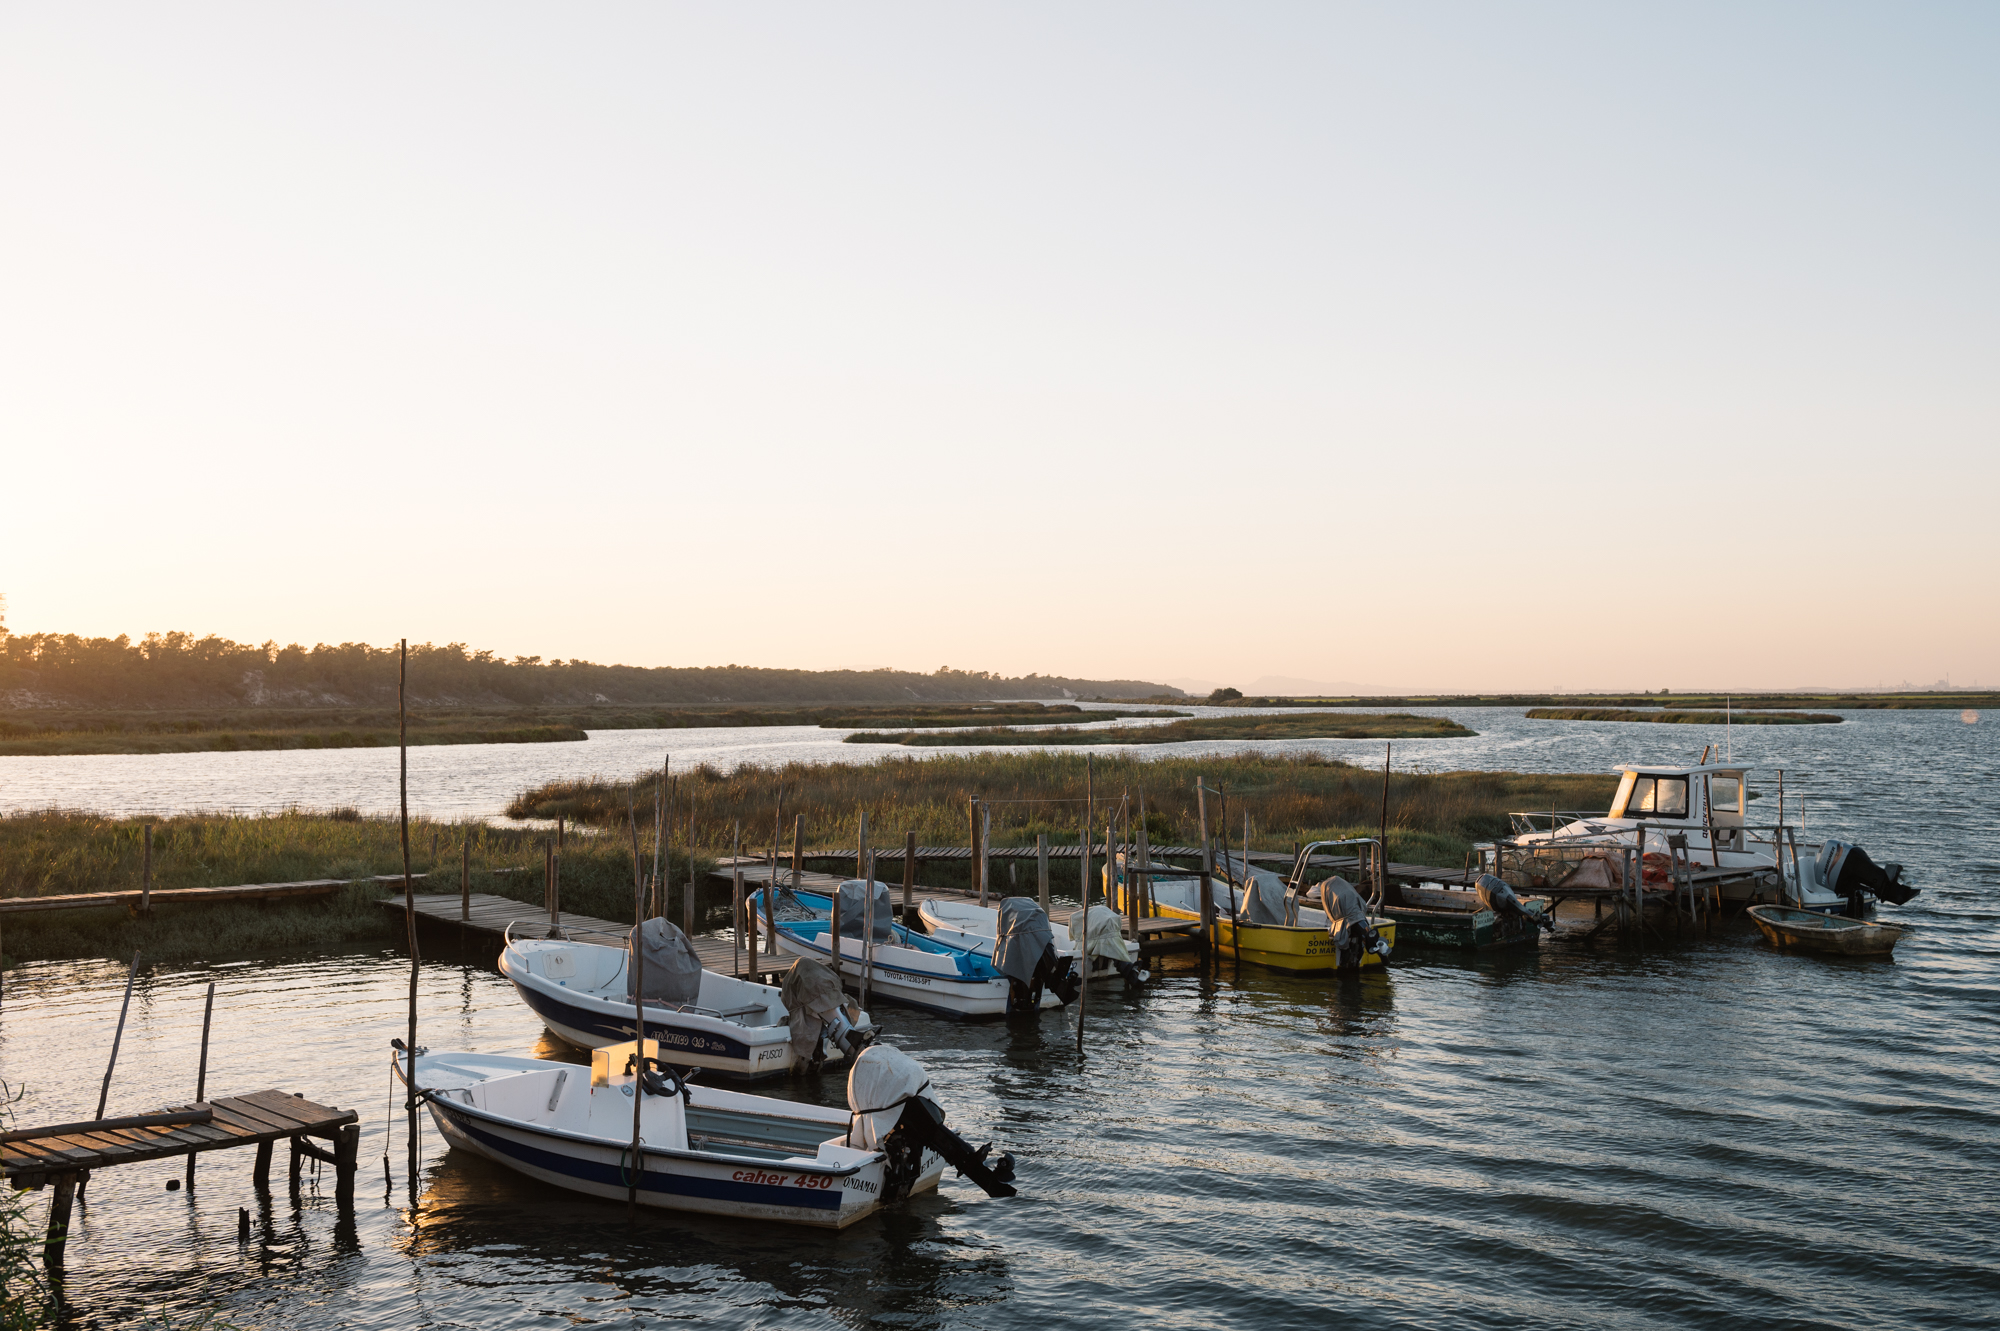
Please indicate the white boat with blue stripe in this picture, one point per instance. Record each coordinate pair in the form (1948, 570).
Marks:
(699, 1148)
(903, 965)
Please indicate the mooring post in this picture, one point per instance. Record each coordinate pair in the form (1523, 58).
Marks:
(201, 1072)
(736, 901)
(465, 880)
(297, 1156)
(1207, 867)
(1080, 927)
(1042, 870)
(909, 871)
(146, 880)
(346, 1161)
(61, 1197)
(977, 888)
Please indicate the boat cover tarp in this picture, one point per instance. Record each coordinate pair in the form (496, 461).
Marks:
(1106, 933)
(1344, 906)
(672, 970)
(1264, 900)
(881, 1081)
(811, 994)
(854, 910)
(1025, 934)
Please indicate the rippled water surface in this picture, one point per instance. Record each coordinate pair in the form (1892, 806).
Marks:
(1701, 1132)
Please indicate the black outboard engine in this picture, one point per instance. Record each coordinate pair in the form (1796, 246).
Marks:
(892, 1114)
(1347, 921)
(1495, 895)
(1847, 870)
(1024, 950)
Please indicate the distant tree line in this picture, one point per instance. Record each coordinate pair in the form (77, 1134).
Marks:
(181, 670)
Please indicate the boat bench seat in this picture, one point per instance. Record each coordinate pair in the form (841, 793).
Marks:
(732, 1013)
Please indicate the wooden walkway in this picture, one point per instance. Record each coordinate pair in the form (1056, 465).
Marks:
(63, 1156)
(489, 914)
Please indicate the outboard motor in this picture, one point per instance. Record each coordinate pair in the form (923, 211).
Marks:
(1495, 895)
(1347, 921)
(1846, 870)
(815, 1010)
(1024, 950)
(893, 1114)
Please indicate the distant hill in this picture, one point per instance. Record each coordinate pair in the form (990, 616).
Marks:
(180, 670)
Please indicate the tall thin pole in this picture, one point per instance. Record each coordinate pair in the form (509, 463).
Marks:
(146, 884)
(1382, 851)
(736, 901)
(798, 850)
(638, 950)
(867, 877)
(118, 1038)
(659, 831)
(465, 879)
(201, 1071)
(972, 849)
(909, 872)
(1082, 917)
(985, 847)
(1207, 868)
(409, 892)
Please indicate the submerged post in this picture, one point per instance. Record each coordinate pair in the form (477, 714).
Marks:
(201, 1069)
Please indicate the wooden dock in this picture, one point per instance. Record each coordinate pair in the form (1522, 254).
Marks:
(490, 915)
(62, 1157)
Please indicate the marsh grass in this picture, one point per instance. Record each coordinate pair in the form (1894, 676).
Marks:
(1434, 817)
(1739, 717)
(54, 853)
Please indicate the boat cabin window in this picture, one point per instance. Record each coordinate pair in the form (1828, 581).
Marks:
(1658, 797)
(1725, 794)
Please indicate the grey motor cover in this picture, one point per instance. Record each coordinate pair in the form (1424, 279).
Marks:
(1264, 900)
(1496, 896)
(672, 970)
(854, 910)
(1344, 906)
(1025, 934)
(811, 995)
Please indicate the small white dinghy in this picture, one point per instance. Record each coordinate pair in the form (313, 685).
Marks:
(582, 993)
(700, 1148)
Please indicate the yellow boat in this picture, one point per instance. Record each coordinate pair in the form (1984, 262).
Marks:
(1305, 947)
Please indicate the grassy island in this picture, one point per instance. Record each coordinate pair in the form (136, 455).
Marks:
(1741, 718)
(1311, 725)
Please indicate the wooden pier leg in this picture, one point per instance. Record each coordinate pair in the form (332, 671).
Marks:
(298, 1157)
(60, 1199)
(346, 1160)
(261, 1174)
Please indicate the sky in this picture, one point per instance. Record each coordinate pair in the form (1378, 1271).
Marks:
(1418, 345)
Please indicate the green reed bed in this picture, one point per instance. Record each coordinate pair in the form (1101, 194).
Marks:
(1434, 817)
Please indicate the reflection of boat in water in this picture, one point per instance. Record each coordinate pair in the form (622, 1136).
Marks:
(582, 993)
(1702, 808)
(1274, 921)
(1787, 926)
(701, 1148)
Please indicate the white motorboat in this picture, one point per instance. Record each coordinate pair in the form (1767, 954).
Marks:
(699, 1148)
(581, 991)
(902, 964)
(1705, 804)
(974, 927)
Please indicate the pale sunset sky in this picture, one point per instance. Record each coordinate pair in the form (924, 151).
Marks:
(1422, 346)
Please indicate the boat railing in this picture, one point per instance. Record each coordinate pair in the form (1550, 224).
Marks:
(1527, 822)
(1541, 859)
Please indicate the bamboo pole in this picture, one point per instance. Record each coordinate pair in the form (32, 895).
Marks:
(636, 945)
(201, 1069)
(118, 1037)
(409, 891)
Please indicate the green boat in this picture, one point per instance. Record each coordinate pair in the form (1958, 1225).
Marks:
(1433, 916)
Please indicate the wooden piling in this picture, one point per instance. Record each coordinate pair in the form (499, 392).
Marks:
(201, 1069)
(409, 908)
(1041, 870)
(1207, 868)
(61, 1199)
(687, 902)
(910, 872)
(637, 948)
(736, 901)
(146, 875)
(976, 887)
(1082, 919)
(465, 880)
(866, 873)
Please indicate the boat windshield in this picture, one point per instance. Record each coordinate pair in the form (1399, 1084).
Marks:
(1661, 796)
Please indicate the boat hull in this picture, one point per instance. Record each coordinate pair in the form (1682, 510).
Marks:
(781, 1191)
(1460, 930)
(1292, 947)
(965, 998)
(1837, 935)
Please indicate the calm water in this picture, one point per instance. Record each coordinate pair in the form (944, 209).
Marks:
(1705, 1133)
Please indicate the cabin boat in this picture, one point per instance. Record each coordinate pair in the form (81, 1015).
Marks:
(699, 1148)
(734, 1027)
(903, 966)
(1704, 803)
